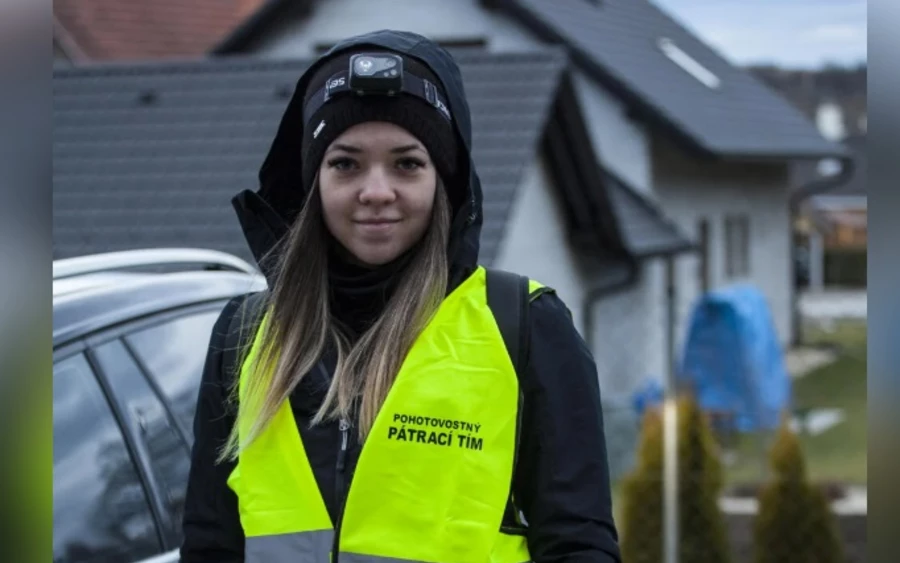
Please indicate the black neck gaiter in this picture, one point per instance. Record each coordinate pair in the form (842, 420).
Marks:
(360, 293)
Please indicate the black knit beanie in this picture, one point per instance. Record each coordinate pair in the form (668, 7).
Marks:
(411, 113)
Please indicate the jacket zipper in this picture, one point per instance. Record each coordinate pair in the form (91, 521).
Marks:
(340, 486)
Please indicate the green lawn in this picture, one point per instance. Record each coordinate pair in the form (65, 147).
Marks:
(841, 452)
(838, 454)
(849, 335)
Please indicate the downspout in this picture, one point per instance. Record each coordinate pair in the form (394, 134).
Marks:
(813, 188)
(602, 291)
(822, 185)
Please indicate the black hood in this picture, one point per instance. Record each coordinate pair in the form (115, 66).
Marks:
(266, 214)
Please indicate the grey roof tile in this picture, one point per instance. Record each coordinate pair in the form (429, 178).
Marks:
(645, 230)
(150, 155)
(741, 118)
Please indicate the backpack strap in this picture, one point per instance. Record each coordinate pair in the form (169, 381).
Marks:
(507, 297)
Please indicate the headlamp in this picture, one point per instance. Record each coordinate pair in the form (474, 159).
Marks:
(376, 74)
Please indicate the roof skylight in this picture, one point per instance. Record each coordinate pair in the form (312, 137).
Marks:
(688, 63)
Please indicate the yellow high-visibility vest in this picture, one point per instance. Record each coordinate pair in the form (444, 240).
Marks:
(434, 475)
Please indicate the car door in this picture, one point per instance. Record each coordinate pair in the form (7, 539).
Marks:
(124, 401)
(159, 446)
(102, 507)
(154, 369)
(173, 354)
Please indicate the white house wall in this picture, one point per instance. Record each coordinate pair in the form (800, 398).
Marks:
(690, 190)
(335, 20)
(628, 337)
(627, 325)
(535, 243)
(621, 144)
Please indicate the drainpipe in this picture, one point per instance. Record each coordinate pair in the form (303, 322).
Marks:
(603, 291)
(822, 185)
(813, 188)
(670, 509)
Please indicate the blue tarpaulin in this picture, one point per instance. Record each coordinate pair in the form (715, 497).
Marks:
(733, 361)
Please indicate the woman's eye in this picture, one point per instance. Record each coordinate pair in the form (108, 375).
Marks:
(342, 164)
(409, 164)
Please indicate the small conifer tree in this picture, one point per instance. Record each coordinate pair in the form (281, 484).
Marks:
(642, 497)
(702, 532)
(794, 523)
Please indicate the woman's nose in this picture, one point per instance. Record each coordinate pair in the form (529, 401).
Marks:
(376, 188)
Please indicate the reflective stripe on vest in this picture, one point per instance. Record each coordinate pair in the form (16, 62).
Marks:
(298, 547)
(433, 478)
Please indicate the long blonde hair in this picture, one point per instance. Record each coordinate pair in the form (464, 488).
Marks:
(298, 326)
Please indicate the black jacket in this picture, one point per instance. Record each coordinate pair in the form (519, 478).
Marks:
(562, 479)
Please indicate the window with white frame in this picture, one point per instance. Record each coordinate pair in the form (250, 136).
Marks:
(737, 246)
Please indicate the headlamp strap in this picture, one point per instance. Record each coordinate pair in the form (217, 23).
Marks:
(339, 82)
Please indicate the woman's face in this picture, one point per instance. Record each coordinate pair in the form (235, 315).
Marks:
(377, 185)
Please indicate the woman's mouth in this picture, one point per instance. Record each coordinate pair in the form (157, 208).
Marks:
(376, 226)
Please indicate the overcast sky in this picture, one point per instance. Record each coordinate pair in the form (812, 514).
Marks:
(792, 33)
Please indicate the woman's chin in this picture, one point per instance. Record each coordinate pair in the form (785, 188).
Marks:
(376, 254)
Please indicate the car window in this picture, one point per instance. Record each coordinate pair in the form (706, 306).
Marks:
(169, 455)
(174, 354)
(100, 506)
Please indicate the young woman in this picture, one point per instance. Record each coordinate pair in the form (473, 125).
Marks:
(371, 411)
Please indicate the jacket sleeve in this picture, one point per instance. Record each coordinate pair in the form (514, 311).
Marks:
(562, 476)
(211, 526)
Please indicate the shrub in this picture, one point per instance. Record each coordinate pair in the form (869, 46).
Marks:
(702, 532)
(642, 497)
(794, 523)
(704, 536)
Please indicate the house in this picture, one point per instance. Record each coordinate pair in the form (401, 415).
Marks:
(704, 142)
(629, 140)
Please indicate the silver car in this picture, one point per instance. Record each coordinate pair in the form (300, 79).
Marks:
(130, 335)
